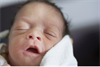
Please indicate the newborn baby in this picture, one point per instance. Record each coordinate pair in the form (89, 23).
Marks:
(38, 26)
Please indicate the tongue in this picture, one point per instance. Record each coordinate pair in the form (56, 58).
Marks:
(32, 50)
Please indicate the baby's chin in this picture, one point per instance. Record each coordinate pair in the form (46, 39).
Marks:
(25, 60)
(35, 62)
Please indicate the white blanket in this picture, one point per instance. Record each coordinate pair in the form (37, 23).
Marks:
(60, 55)
(2, 61)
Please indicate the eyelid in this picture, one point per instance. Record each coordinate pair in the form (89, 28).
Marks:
(51, 33)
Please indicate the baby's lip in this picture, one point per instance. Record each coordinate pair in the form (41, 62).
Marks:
(33, 49)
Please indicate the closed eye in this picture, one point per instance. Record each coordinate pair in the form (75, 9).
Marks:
(51, 34)
(21, 29)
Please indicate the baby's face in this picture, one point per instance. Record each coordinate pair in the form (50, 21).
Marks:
(37, 28)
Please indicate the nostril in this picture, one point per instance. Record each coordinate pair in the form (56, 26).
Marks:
(34, 37)
(30, 36)
(38, 38)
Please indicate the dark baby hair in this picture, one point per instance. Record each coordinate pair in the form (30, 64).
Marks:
(66, 29)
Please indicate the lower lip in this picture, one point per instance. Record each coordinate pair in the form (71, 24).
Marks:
(30, 54)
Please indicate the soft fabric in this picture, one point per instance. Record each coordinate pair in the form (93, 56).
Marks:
(3, 48)
(3, 34)
(60, 55)
(2, 61)
(2, 51)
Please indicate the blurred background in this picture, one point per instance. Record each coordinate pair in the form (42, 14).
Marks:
(84, 17)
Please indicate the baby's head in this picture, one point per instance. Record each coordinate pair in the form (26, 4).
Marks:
(38, 26)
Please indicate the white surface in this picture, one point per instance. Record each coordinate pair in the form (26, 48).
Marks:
(80, 12)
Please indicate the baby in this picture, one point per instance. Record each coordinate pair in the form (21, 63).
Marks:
(38, 26)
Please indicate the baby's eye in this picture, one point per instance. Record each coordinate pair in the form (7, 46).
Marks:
(21, 29)
(50, 34)
(22, 25)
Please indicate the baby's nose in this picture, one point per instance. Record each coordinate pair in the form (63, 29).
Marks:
(32, 37)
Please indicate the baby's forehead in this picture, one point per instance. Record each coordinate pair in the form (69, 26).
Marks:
(40, 9)
(42, 6)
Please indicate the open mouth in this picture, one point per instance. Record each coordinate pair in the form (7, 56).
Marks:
(32, 50)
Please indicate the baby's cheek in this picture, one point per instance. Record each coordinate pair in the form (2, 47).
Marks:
(15, 39)
(48, 45)
(15, 44)
(51, 44)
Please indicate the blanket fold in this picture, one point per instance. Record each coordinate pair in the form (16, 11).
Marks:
(60, 55)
